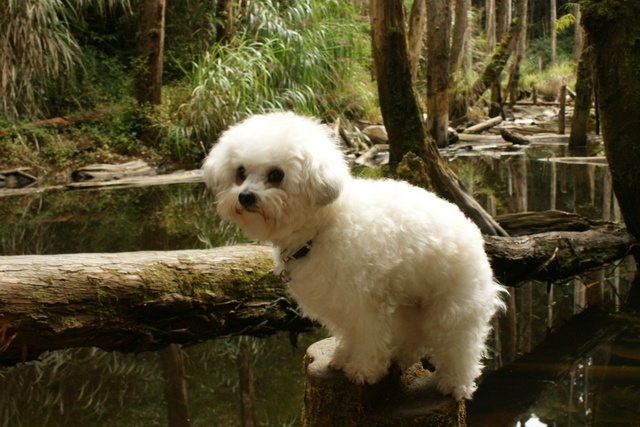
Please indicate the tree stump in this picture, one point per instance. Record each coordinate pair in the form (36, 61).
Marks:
(400, 399)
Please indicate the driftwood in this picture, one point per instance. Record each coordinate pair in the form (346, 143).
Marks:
(515, 137)
(105, 172)
(138, 301)
(482, 126)
(16, 178)
(406, 399)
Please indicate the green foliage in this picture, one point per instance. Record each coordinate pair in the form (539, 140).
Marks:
(40, 59)
(304, 56)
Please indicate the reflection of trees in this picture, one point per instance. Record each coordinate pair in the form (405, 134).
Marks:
(114, 220)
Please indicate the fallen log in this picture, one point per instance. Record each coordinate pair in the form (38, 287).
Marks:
(138, 301)
(555, 255)
(105, 172)
(514, 137)
(487, 124)
(527, 223)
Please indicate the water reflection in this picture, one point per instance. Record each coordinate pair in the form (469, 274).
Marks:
(595, 385)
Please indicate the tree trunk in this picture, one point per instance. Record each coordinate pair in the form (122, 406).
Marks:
(402, 116)
(248, 415)
(553, 17)
(459, 38)
(175, 386)
(613, 31)
(584, 94)
(490, 25)
(417, 24)
(393, 74)
(518, 51)
(138, 301)
(224, 25)
(491, 73)
(438, 49)
(151, 52)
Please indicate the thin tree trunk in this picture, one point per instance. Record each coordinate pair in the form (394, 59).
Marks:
(248, 399)
(553, 17)
(438, 49)
(417, 24)
(490, 25)
(584, 95)
(151, 53)
(175, 386)
(520, 39)
(224, 15)
(459, 36)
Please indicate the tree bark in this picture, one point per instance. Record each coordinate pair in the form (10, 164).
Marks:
(584, 95)
(438, 50)
(402, 116)
(518, 50)
(492, 71)
(417, 23)
(151, 53)
(459, 36)
(175, 386)
(392, 71)
(613, 31)
(138, 301)
(224, 15)
(490, 24)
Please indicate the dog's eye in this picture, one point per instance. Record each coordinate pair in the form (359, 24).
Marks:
(241, 173)
(275, 176)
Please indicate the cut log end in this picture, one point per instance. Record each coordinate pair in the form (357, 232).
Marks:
(399, 399)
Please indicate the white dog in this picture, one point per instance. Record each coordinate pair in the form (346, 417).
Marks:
(394, 272)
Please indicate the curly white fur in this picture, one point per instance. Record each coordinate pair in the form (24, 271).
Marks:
(394, 272)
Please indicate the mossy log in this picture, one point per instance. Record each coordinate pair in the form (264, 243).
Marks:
(406, 399)
(138, 301)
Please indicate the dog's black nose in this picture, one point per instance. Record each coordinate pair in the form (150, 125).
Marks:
(247, 199)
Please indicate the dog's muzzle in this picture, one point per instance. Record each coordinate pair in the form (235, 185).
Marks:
(247, 199)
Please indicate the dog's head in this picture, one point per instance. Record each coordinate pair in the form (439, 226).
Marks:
(271, 172)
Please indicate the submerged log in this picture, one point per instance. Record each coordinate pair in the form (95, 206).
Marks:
(406, 399)
(138, 301)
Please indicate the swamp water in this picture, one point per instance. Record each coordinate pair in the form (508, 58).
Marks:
(590, 382)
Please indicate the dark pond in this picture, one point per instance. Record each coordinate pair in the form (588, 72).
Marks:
(586, 381)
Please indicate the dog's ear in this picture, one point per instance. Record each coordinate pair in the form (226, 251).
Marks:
(325, 181)
(214, 170)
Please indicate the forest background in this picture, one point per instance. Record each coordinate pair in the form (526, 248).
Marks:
(87, 61)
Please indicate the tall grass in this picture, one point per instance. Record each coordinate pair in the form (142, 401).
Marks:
(38, 51)
(307, 56)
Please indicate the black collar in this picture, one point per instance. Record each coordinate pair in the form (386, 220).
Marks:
(300, 253)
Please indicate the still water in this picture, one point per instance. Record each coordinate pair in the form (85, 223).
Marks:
(582, 378)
